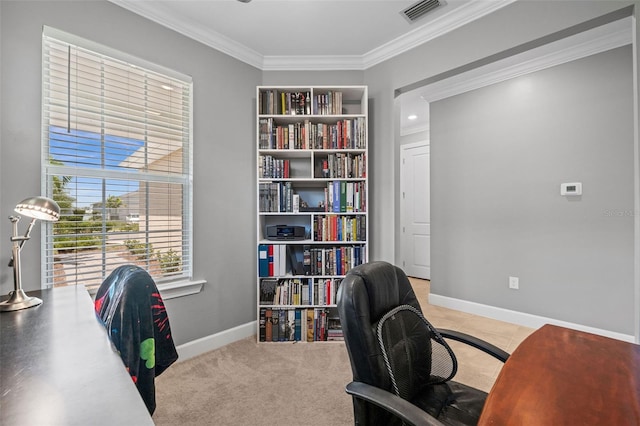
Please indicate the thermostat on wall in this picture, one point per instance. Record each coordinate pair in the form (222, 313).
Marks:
(573, 188)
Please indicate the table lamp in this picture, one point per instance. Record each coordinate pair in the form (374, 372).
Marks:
(36, 208)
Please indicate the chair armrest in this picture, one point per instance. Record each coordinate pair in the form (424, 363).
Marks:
(477, 343)
(392, 403)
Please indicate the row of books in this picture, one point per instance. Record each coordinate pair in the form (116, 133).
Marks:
(280, 260)
(344, 197)
(338, 197)
(271, 167)
(272, 260)
(342, 165)
(277, 197)
(299, 103)
(335, 260)
(285, 103)
(298, 325)
(299, 291)
(344, 134)
(335, 165)
(340, 228)
(328, 103)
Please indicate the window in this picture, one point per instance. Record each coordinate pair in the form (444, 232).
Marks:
(116, 138)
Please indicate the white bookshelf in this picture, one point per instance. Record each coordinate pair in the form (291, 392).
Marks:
(312, 183)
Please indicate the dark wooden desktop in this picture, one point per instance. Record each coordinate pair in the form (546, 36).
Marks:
(57, 367)
(559, 376)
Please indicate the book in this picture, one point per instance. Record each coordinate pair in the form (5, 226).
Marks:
(296, 259)
(310, 325)
(268, 333)
(282, 259)
(306, 260)
(303, 325)
(298, 325)
(295, 201)
(282, 329)
(291, 325)
(322, 325)
(275, 325)
(263, 260)
(270, 260)
(268, 291)
(334, 329)
(262, 330)
(276, 260)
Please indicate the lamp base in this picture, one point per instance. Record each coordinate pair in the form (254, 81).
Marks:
(19, 300)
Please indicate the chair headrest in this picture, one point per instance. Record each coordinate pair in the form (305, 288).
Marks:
(387, 286)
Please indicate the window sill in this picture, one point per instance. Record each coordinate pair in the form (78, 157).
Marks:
(180, 288)
(170, 290)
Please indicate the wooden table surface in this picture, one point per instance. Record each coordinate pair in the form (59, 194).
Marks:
(558, 376)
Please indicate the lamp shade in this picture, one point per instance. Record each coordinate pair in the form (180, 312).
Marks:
(41, 208)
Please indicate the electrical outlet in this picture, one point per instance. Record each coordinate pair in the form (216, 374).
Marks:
(514, 283)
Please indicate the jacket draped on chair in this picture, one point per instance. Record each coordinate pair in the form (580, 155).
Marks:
(130, 306)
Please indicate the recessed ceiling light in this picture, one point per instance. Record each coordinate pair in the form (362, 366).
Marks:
(166, 87)
(412, 117)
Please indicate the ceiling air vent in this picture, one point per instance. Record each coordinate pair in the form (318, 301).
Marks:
(418, 10)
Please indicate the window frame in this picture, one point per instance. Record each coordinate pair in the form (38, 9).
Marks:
(181, 286)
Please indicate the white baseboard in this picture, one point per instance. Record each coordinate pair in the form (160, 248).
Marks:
(520, 318)
(215, 341)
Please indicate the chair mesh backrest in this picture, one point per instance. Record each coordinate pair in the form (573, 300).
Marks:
(415, 354)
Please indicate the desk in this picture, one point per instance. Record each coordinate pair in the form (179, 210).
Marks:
(559, 376)
(57, 366)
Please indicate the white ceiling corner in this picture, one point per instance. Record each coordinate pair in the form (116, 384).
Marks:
(456, 14)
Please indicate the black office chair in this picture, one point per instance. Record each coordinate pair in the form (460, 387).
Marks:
(402, 367)
(130, 306)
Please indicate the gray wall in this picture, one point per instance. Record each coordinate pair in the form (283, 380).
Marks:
(498, 157)
(224, 104)
(507, 29)
(512, 26)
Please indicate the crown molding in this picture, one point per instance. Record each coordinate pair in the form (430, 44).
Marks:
(462, 15)
(457, 18)
(597, 40)
(312, 63)
(416, 128)
(156, 12)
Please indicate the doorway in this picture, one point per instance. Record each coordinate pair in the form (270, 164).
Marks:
(415, 206)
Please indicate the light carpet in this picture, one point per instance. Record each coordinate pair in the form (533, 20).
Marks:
(246, 383)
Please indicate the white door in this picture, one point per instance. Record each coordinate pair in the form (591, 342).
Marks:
(415, 210)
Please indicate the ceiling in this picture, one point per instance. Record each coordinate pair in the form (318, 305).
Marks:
(309, 34)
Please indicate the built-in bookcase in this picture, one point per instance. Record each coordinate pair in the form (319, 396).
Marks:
(312, 206)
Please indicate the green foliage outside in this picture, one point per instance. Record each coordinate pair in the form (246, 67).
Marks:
(72, 232)
(139, 249)
(170, 261)
(114, 202)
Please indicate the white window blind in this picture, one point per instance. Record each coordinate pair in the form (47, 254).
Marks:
(116, 138)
